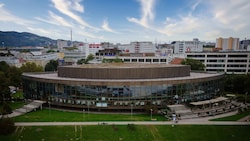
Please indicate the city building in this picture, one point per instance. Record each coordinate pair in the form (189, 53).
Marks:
(181, 47)
(227, 62)
(63, 43)
(122, 86)
(227, 44)
(245, 45)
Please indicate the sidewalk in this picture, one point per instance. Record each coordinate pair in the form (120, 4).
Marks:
(130, 122)
(194, 121)
(25, 109)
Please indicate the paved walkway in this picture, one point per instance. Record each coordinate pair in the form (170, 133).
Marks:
(195, 121)
(130, 122)
(26, 108)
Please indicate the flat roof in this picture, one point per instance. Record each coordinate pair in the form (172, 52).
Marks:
(218, 99)
(54, 76)
(122, 65)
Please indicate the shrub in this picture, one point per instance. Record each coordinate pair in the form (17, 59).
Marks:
(6, 109)
(6, 126)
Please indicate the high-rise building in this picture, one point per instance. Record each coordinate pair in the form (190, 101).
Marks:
(227, 44)
(181, 47)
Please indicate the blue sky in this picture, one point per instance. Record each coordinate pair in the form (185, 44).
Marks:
(123, 21)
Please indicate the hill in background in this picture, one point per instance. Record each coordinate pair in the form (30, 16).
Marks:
(19, 39)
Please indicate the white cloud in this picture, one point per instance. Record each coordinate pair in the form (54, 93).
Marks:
(195, 5)
(105, 26)
(55, 19)
(208, 19)
(1, 5)
(39, 30)
(184, 25)
(67, 7)
(89, 35)
(147, 13)
(232, 14)
(6, 16)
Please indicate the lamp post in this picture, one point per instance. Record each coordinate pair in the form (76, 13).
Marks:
(151, 110)
(49, 107)
(88, 111)
(246, 97)
(83, 114)
(131, 111)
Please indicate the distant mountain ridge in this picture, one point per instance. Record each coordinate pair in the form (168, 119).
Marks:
(19, 39)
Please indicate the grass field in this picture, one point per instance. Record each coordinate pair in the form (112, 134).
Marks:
(131, 133)
(47, 115)
(233, 117)
(14, 105)
(18, 95)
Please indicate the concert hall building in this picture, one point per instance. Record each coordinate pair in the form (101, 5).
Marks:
(122, 86)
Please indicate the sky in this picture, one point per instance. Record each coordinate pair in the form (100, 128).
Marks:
(125, 21)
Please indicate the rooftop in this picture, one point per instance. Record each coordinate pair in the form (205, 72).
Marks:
(122, 65)
(54, 76)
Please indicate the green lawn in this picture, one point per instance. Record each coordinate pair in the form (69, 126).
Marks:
(18, 95)
(47, 115)
(131, 133)
(14, 105)
(233, 117)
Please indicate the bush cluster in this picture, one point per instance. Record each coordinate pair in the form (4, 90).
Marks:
(6, 126)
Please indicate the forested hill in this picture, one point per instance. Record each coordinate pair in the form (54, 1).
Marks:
(19, 39)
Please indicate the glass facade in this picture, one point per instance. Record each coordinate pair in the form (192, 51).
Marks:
(122, 97)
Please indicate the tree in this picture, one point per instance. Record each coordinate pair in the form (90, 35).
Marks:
(89, 58)
(14, 75)
(31, 67)
(51, 66)
(195, 64)
(6, 109)
(4, 66)
(81, 61)
(237, 83)
(86, 61)
(7, 126)
(4, 87)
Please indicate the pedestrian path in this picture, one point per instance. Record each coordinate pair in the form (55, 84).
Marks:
(194, 121)
(130, 122)
(26, 108)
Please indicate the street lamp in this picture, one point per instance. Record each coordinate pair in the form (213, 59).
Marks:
(246, 97)
(151, 110)
(49, 107)
(131, 111)
(83, 113)
(88, 103)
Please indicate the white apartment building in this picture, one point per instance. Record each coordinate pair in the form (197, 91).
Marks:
(92, 49)
(11, 60)
(138, 47)
(227, 44)
(181, 47)
(143, 59)
(228, 62)
(62, 43)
